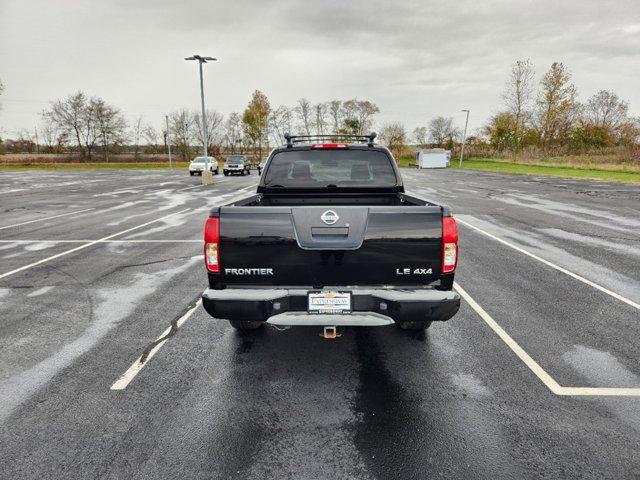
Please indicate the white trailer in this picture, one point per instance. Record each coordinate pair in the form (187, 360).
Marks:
(433, 158)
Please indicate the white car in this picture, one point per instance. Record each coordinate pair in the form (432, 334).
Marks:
(198, 163)
(236, 164)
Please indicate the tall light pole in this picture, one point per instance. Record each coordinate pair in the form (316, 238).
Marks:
(202, 60)
(464, 137)
(166, 118)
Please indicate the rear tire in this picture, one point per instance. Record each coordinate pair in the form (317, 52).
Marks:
(225, 173)
(244, 326)
(191, 173)
(413, 326)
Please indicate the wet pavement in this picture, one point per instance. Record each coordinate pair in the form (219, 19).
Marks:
(454, 402)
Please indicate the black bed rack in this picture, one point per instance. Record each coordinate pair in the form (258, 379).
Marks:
(346, 138)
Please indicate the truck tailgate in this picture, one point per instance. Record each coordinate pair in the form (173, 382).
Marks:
(360, 245)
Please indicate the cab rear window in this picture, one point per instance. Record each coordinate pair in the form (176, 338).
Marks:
(321, 168)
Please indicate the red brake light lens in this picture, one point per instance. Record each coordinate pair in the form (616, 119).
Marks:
(449, 244)
(329, 145)
(212, 244)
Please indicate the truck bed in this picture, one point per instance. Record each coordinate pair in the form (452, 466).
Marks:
(378, 240)
(390, 199)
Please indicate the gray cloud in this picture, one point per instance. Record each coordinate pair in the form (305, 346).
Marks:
(416, 59)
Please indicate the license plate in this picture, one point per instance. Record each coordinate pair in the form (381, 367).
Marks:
(329, 302)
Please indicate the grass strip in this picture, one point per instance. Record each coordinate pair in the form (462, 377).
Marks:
(548, 171)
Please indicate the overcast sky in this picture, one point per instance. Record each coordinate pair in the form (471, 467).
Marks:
(415, 59)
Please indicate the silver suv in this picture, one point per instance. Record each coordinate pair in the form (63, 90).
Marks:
(236, 164)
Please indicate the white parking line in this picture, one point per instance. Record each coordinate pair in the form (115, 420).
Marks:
(547, 379)
(511, 343)
(89, 244)
(46, 218)
(127, 377)
(12, 190)
(553, 265)
(600, 392)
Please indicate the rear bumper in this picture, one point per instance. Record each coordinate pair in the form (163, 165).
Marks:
(201, 169)
(370, 306)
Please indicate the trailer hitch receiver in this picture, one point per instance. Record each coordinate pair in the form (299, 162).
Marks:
(330, 332)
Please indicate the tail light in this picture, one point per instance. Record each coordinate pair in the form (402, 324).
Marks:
(329, 145)
(212, 244)
(449, 244)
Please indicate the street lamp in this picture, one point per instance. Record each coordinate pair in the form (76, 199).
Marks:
(166, 118)
(464, 137)
(202, 60)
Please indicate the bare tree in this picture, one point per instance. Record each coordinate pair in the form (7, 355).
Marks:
(349, 120)
(357, 116)
(352, 116)
(136, 134)
(26, 140)
(68, 115)
(214, 129)
(181, 124)
(90, 131)
(394, 135)
(442, 130)
(365, 110)
(150, 135)
(421, 136)
(109, 125)
(320, 111)
(605, 109)
(335, 113)
(87, 120)
(233, 131)
(280, 121)
(305, 116)
(518, 92)
(50, 135)
(1, 91)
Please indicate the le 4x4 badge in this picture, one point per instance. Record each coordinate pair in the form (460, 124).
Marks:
(415, 271)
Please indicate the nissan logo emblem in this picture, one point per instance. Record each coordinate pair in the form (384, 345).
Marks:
(329, 217)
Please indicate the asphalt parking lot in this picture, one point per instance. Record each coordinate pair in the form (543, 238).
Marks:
(536, 377)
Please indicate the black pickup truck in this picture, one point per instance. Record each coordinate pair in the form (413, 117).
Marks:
(331, 239)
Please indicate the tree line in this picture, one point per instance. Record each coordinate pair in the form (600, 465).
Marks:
(548, 114)
(440, 132)
(90, 126)
(259, 125)
(545, 115)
